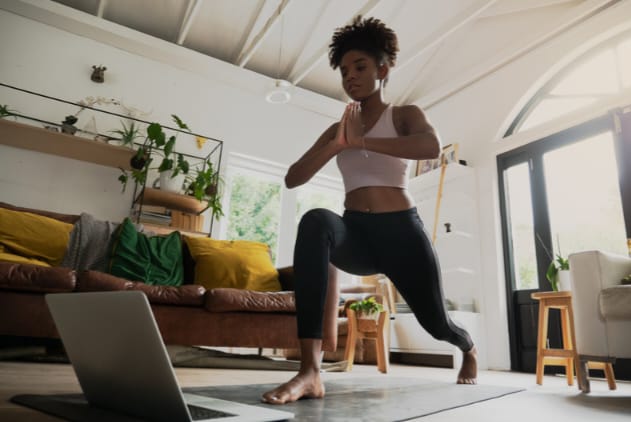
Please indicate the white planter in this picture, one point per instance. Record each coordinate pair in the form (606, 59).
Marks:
(373, 316)
(171, 184)
(564, 281)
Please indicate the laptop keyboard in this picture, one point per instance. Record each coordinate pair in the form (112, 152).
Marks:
(201, 413)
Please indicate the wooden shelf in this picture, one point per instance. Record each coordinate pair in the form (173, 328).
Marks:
(171, 200)
(164, 230)
(20, 135)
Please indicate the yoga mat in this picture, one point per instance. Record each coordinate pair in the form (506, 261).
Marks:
(374, 399)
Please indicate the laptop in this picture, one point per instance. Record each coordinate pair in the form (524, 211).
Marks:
(113, 343)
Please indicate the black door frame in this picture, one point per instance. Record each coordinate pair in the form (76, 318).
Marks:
(532, 154)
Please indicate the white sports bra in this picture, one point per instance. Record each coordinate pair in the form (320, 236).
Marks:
(361, 168)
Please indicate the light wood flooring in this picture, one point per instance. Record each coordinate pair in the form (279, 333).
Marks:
(552, 401)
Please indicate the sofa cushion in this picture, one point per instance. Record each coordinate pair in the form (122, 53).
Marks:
(615, 302)
(153, 260)
(35, 278)
(95, 281)
(239, 264)
(34, 236)
(66, 218)
(7, 256)
(236, 300)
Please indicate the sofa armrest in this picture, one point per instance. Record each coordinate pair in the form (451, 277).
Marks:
(36, 278)
(591, 272)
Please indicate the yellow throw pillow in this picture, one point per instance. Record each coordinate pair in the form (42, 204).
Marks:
(34, 236)
(239, 264)
(10, 257)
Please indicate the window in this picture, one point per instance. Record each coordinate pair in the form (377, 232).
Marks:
(603, 72)
(254, 210)
(253, 195)
(258, 206)
(310, 197)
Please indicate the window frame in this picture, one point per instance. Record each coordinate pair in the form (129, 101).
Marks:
(544, 91)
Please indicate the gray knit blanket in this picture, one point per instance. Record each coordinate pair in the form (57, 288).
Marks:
(89, 244)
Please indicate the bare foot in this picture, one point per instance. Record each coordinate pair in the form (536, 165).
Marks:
(303, 385)
(469, 370)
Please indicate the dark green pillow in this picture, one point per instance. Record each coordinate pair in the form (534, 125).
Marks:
(154, 260)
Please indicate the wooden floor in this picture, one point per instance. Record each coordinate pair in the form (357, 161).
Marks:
(553, 400)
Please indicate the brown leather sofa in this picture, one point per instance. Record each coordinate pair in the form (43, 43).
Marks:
(186, 315)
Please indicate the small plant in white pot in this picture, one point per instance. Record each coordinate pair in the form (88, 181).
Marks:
(558, 273)
(367, 308)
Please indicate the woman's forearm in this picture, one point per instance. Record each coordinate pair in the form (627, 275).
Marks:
(419, 146)
(309, 164)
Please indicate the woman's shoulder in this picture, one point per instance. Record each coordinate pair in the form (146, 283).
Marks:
(407, 110)
(404, 116)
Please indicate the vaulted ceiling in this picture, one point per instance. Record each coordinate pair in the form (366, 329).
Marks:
(446, 45)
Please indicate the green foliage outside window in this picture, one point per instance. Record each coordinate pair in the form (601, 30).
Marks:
(254, 211)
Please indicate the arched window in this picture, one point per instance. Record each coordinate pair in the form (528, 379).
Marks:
(604, 71)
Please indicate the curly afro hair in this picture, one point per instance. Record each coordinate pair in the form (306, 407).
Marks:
(368, 35)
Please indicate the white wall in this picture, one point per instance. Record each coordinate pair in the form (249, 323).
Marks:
(478, 116)
(54, 62)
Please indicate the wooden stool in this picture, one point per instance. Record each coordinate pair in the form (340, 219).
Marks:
(567, 356)
(586, 364)
(371, 329)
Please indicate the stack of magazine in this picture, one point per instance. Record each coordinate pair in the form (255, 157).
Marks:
(152, 214)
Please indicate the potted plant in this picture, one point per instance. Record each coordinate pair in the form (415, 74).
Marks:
(128, 134)
(205, 186)
(5, 111)
(67, 126)
(172, 165)
(558, 273)
(367, 308)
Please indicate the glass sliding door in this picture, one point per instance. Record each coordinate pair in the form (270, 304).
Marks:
(584, 201)
(521, 226)
(561, 194)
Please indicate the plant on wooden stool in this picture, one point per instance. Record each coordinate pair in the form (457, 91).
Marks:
(367, 308)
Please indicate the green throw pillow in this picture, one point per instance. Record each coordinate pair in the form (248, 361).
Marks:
(154, 260)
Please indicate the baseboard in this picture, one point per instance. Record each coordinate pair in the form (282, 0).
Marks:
(422, 359)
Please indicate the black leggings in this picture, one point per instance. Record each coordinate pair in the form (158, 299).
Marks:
(393, 243)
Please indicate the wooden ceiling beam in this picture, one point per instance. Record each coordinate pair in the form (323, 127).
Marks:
(192, 10)
(579, 14)
(297, 75)
(445, 31)
(247, 54)
(506, 8)
(101, 8)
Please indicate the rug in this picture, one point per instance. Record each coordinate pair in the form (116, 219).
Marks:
(202, 357)
(375, 399)
(182, 357)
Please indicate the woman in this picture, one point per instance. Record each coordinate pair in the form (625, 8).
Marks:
(380, 231)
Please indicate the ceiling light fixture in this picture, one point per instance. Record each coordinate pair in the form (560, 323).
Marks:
(280, 91)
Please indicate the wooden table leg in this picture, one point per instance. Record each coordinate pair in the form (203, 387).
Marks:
(351, 339)
(577, 363)
(611, 379)
(383, 360)
(607, 368)
(542, 336)
(568, 344)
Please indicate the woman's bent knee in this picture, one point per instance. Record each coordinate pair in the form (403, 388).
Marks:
(318, 220)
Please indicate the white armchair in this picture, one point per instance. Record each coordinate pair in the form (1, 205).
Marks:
(602, 309)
